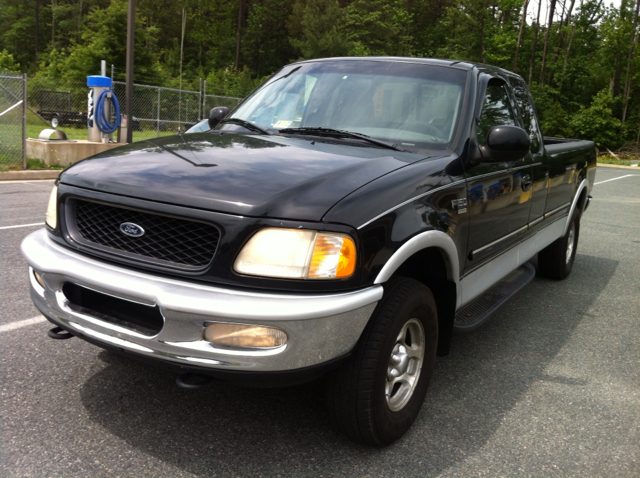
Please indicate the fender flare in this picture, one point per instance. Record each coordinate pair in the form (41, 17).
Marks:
(583, 185)
(435, 239)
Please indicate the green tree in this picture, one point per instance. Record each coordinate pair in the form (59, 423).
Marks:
(316, 29)
(103, 39)
(379, 27)
(266, 45)
(553, 116)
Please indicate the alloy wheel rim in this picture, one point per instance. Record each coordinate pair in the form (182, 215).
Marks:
(571, 242)
(405, 364)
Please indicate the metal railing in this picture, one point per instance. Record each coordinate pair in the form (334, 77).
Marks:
(13, 120)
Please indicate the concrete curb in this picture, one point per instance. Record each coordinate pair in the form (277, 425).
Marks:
(29, 175)
(616, 166)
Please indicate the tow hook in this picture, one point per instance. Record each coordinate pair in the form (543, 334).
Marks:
(192, 381)
(59, 333)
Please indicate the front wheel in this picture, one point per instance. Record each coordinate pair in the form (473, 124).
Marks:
(55, 121)
(556, 260)
(375, 397)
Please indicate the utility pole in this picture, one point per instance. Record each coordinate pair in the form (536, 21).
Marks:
(239, 39)
(131, 33)
(37, 29)
(184, 21)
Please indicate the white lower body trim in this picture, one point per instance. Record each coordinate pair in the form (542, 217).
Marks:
(474, 284)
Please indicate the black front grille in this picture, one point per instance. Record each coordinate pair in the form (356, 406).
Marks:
(169, 239)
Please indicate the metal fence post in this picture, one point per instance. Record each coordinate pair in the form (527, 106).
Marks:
(111, 73)
(158, 118)
(204, 99)
(24, 121)
(200, 102)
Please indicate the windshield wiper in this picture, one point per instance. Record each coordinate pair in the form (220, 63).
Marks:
(340, 133)
(246, 124)
(288, 74)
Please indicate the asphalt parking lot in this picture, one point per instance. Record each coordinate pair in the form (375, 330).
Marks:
(550, 386)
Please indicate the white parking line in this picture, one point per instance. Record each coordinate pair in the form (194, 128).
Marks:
(22, 323)
(28, 181)
(23, 225)
(619, 177)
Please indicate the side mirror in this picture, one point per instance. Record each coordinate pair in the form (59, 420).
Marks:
(216, 115)
(506, 143)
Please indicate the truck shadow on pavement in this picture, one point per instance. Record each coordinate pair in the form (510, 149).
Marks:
(228, 430)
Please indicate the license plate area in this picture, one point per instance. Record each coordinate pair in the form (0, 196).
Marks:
(139, 318)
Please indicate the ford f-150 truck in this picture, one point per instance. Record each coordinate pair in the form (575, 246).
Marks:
(343, 221)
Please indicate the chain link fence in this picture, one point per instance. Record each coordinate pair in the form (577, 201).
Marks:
(211, 101)
(157, 111)
(61, 104)
(13, 118)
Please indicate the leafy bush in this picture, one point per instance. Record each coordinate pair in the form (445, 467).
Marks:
(597, 122)
(7, 62)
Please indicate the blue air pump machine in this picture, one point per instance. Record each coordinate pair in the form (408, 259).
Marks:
(100, 114)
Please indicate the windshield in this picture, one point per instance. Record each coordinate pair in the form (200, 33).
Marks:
(199, 127)
(409, 104)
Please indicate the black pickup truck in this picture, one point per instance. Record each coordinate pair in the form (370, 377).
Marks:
(343, 221)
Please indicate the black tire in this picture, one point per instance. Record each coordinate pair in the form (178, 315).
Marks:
(556, 260)
(356, 392)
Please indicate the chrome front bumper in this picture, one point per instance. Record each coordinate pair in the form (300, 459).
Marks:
(320, 327)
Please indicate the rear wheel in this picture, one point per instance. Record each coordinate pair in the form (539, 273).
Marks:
(556, 260)
(375, 397)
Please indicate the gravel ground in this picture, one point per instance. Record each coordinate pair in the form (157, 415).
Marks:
(550, 386)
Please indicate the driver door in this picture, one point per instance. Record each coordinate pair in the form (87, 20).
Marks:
(498, 193)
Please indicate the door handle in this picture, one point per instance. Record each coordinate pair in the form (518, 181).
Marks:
(526, 182)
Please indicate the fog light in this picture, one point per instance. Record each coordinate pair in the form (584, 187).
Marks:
(237, 335)
(39, 279)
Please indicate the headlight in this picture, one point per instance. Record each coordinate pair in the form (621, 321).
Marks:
(52, 209)
(297, 254)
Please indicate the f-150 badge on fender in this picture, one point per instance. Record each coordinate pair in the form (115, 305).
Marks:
(460, 205)
(131, 229)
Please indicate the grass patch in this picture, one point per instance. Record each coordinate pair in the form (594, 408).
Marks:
(32, 163)
(621, 159)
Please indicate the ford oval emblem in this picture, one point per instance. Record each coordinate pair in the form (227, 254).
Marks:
(131, 229)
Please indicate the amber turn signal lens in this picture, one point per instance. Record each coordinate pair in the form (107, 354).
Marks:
(334, 256)
(237, 335)
(52, 209)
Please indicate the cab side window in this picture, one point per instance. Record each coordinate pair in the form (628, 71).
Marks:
(525, 105)
(496, 110)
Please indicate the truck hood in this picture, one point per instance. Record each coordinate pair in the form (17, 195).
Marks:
(248, 175)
